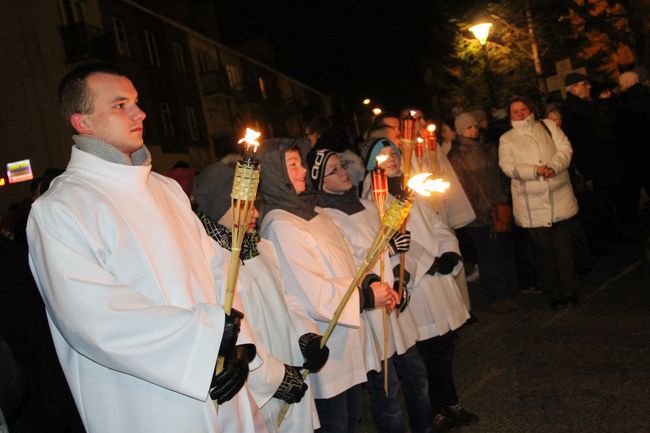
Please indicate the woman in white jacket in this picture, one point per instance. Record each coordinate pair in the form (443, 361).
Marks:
(535, 155)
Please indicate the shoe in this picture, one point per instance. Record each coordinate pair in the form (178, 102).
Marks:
(442, 424)
(473, 275)
(459, 415)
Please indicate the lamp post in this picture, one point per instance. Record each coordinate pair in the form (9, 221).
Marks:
(481, 32)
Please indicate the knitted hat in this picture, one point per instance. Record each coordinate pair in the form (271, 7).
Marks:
(574, 78)
(212, 188)
(627, 80)
(317, 160)
(372, 149)
(464, 121)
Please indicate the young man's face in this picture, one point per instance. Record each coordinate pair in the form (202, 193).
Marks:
(115, 118)
(295, 170)
(392, 165)
(336, 179)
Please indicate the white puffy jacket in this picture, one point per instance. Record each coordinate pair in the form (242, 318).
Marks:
(538, 202)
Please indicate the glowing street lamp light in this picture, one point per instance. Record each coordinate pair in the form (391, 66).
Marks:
(366, 101)
(376, 111)
(481, 32)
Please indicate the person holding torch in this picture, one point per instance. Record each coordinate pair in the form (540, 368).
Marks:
(358, 220)
(436, 303)
(318, 268)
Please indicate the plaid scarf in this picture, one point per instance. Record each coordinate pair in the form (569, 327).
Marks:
(223, 236)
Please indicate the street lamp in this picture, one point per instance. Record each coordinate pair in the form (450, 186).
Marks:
(481, 32)
(366, 101)
(376, 111)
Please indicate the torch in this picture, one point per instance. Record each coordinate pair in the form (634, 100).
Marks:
(242, 202)
(406, 146)
(419, 152)
(431, 145)
(379, 196)
(390, 223)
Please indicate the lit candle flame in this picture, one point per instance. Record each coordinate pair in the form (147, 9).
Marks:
(413, 113)
(420, 140)
(381, 159)
(424, 185)
(431, 128)
(251, 139)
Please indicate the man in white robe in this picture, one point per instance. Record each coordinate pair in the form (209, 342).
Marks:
(130, 280)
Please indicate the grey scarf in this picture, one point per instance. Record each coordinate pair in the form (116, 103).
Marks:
(109, 153)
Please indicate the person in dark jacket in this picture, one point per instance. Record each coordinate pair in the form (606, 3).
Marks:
(595, 149)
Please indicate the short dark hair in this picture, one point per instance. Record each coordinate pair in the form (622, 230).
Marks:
(318, 124)
(73, 90)
(524, 100)
(380, 120)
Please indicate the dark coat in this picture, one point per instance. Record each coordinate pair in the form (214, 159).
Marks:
(594, 142)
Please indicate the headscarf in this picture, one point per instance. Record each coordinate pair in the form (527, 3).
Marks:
(275, 189)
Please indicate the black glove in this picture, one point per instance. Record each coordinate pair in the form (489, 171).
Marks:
(293, 386)
(227, 383)
(444, 264)
(399, 243)
(315, 356)
(230, 332)
(367, 295)
(406, 296)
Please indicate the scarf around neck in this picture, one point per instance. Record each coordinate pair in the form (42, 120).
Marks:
(347, 202)
(223, 236)
(109, 153)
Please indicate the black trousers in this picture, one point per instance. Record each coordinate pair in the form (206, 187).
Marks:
(438, 356)
(554, 258)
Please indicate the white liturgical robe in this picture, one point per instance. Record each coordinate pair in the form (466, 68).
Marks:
(129, 278)
(317, 268)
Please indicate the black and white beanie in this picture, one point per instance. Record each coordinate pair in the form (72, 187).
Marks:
(317, 160)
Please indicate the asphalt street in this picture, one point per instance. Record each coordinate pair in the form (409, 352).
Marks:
(579, 370)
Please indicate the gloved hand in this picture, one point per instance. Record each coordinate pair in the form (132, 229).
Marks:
(399, 243)
(367, 295)
(227, 383)
(230, 332)
(406, 295)
(315, 356)
(444, 264)
(293, 386)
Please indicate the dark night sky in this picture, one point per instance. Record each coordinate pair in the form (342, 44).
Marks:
(350, 53)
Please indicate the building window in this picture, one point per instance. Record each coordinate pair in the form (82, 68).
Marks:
(152, 48)
(167, 120)
(234, 79)
(202, 60)
(121, 41)
(193, 124)
(179, 58)
(260, 80)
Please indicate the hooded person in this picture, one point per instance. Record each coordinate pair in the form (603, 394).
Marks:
(318, 268)
(282, 330)
(359, 222)
(436, 303)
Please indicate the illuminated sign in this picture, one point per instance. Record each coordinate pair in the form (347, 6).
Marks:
(19, 171)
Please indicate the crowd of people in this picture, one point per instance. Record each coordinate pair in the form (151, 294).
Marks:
(132, 265)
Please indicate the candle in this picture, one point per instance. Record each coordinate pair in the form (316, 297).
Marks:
(419, 148)
(431, 137)
(408, 127)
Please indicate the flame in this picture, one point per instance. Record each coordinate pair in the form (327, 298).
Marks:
(424, 185)
(251, 139)
(431, 128)
(381, 159)
(413, 113)
(420, 140)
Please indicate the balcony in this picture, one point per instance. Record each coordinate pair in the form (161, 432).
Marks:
(85, 42)
(214, 83)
